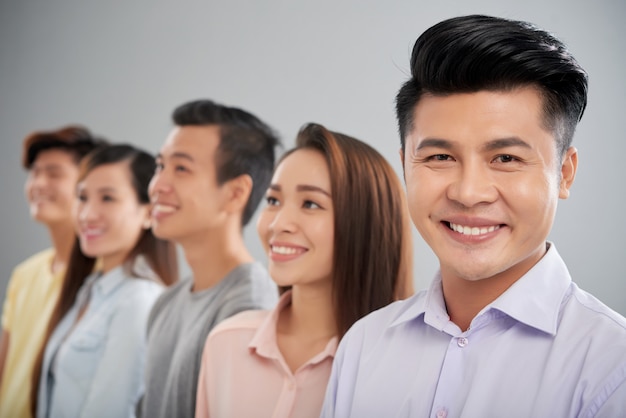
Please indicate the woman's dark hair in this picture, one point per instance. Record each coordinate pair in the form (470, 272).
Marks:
(160, 255)
(372, 260)
(472, 53)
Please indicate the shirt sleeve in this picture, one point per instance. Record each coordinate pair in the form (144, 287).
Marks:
(611, 401)
(118, 381)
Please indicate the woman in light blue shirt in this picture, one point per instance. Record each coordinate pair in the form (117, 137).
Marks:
(92, 362)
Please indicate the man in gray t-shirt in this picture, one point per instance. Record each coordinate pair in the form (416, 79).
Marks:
(212, 172)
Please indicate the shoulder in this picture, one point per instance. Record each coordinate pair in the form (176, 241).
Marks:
(586, 320)
(172, 293)
(169, 299)
(26, 273)
(376, 325)
(249, 286)
(35, 261)
(246, 320)
(592, 313)
(139, 291)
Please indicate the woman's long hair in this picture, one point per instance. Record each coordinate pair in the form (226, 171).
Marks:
(373, 250)
(160, 255)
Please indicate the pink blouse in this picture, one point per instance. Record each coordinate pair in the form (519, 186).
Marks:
(243, 373)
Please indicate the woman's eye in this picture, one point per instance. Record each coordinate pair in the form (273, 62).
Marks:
(271, 201)
(309, 204)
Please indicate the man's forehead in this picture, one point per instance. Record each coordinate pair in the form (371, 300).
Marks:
(193, 143)
(53, 158)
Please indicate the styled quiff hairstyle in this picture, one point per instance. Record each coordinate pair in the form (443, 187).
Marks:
(472, 53)
(76, 140)
(372, 260)
(246, 145)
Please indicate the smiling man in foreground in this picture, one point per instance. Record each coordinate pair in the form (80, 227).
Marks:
(486, 122)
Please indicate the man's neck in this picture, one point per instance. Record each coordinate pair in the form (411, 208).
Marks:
(62, 236)
(213, 255)
(465, 299)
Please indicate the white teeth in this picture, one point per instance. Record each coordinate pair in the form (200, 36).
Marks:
(467, 230)
(163, 208)
(284, 250)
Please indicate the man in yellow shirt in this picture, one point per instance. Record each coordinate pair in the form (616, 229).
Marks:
(52, 160)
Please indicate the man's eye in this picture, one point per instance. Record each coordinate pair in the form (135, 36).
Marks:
(505, 158)
(440, 157)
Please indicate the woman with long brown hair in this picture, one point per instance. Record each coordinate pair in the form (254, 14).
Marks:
(92, 362)
(337, 233)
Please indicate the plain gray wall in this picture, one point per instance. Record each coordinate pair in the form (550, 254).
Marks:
(120, 67)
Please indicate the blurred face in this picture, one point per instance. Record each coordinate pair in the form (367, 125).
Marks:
(50, 187)
(187, 202)
(297, 225)
(109, 217)
(483, 180)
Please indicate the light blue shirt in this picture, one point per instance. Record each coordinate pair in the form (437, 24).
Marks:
(94, 368)
(543, 349)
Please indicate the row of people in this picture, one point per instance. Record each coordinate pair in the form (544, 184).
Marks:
(113, 322)
(486, 123)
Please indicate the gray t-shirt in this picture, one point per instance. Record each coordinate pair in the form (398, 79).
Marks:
(178, 327)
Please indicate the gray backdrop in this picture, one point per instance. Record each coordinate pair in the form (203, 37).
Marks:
(120, 67)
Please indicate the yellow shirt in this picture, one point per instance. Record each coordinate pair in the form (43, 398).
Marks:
(31, 295)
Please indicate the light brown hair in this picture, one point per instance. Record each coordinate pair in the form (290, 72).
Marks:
(372, 261)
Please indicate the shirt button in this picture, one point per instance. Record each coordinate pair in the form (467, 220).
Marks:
(291, 386)
(462, 342)
(442, 413)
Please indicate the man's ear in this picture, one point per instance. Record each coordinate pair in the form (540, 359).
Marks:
(401, 152)
(238, 193)
(568, 172)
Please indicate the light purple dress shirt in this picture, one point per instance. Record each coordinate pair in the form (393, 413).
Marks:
(544, 348)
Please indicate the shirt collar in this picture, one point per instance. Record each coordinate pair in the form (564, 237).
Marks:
(265, 339)
(105, 283)
(535, 299)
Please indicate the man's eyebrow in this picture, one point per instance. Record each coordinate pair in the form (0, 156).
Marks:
(500, 143)
(178, 154)
(493, 145)
(434, 143)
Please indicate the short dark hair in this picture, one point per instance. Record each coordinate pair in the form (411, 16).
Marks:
(471, 53)
(372, 260)
(246, 145)
(76, 140)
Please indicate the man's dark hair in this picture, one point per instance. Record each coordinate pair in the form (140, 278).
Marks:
(76, 140)
(246, 145)
(472, 53)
